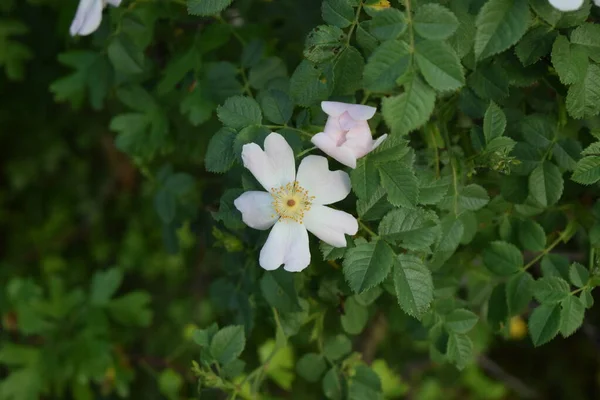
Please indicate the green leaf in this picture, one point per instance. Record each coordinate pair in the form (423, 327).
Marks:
(587, 170)
(489, 82)
(460, 349)
(532, 235)
(131, 309)
(388, 24)
(207, 7)
(364, 179)
(337, 347)
(227, 344)
(310, 84)
(364, 384)
(409, 110)
(374, 207)
(197, 107)
(571, 316)
(348, 72)
(435, 22)
(550, 290)
(400, 183)
(439, 65)
(414, 229)
(125, 56)
(355, 317)
(253, 53)
(535, 44)
(557, 18)
(277, 106)
(546, 184)
(472, 197)
(279, 290)
(413, 284)
(555, 265)
(13, 54)
(387, 63)
(250, 134)
(239, 112)
(566, 153)
(105, 285)
(220, 156)
(323, 43)
(578, 275)
(337, 12)
(494, 122)
(502, 258)
(461, 320)
(588, 37)
(265, 71)
(333, 384)
(569, 61)
(311, 367)
(497, 307)
(583, 98)
(170, 383)
(519, 291)
(500, 24)
(544, 323)
(334, 253)
(367, 265)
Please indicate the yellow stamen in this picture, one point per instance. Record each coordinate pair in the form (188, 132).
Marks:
(291, 201)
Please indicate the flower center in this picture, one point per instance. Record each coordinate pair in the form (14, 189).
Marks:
(291, 201)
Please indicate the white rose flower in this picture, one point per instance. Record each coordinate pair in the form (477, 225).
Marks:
(89, 15)
(293, 203)
(568, 5)
(347, 135)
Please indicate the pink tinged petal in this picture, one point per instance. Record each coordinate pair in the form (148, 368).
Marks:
(273, 167)
(257, 209)
(380, 140)
(87, 18)
(334, 108)
(347, 122)
(329, 147)
(359, 140)
(287, 244)
(334, 130)
(566, 5)
(330, 225)
(361, 112)
(326, 186)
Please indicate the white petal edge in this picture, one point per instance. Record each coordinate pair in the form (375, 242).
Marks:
(330, 225)
(87, 18)
(257, 209)
(334, 108)
(381, 138)
(114, 3)
(326, 186)
(361, 112)
(287, 244)
(327, 145)
(271, 168)
(566, 5)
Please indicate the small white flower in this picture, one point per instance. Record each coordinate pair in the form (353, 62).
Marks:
(568, 5)
(347, 135)
(293, 203)
(89, 15)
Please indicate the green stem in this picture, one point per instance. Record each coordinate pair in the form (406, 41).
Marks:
(409, 23)
(448, 144)
(367, 229)
(354, 23)
(305, 151)
(544, 252)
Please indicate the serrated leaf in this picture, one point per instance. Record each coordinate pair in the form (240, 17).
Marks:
(364, 384)
(337, 12)
(227, 344)
(535, 44)
(400, 183)
(414, 229)
(550, 290)
(566, 153)
(367, 265)
(310, 84)
(348, 72)
(388, 24)
(364, 178)
(502, 258)
(532, 235)
(544, 323)
(571, 316)
(588, 37)
(220, 156)
(239, 112)
(355, 317)
(497, 307)
(337, 347)
(409, 110)
(570, 62)
(323, 43)
(546, 184)
(461, 320)
(494, 122)
(489, 82)
(388, 62)
(278, 289)
(436, 22)
(500, 24)
(277, 106)
(460, 349)
(104, 286)
(265, 71)
(439, 65)
(519, 291)
(587, 170)
(311, 367)
(583, 98)
(578, 275)
(125, 55)
(333, 384)
(413, 284)
(374, 207)
(207, 7)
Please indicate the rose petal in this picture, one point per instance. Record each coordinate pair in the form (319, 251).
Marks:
(361, 112)
(329, 147)
(330, 225)
(257, 209)
(566, 5)
(334, 108)
(114, 3)
(359, 140)
(326, 186)
(287, 244)
(380, 140)
(273, 167)
(87, 18)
